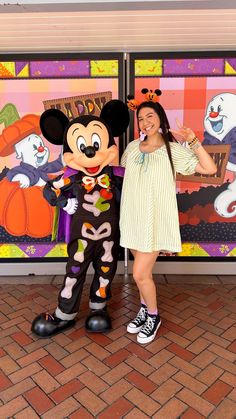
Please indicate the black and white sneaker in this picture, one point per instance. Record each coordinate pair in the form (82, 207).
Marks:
(149, 330)
(136, 325)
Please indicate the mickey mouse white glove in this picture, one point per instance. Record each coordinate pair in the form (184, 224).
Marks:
(71, 206)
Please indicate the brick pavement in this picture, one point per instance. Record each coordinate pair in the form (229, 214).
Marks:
(188, 372)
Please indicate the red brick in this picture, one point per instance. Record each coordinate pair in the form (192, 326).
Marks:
(175, 328)
(216, 339)
(8, 365)
(2, 352)
(93, 364)
(81, 413)
(15, 351)
(136, 414)
(118, 344)
(181, 352)
(190, 382)
(196, 402)
(228, 366)
(100, 339)
(70, 373)
(216, 305)
(44, 380)
(77, 334)
(141, 366)
(209, 374)
(226, 410)
(63, 409)
(27, 413)
(30, 358)
(117, 358)
(172, 409)
(207, 291)
(198, 345)
(90, 401)
(192, 414)
(116, 391)
(166, 391)
(93, 382)
(229, 379)
(66, 391)
(138, 350)
(25, 372)
(180, 297)
(179, 340)
(142, 401)
(203, 359)
(56, 350)
(117, 410)
(158, 344)
(51, 365)
(4, 381)
(232, 347)
(10, 409)
(217, 392)
(117, 373)
(223, 353)
(162, 374)
(141, 382)
(38, 400)
(21, 338)
(17, 390)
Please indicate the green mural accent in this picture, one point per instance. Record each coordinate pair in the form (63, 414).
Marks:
(104, 68)
(148, 68)
(60, 250)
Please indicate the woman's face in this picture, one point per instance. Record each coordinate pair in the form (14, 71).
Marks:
(149, 121)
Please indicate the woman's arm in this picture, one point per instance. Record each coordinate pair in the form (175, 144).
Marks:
(206, 165)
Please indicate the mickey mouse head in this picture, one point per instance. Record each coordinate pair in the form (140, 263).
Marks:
(88, 141)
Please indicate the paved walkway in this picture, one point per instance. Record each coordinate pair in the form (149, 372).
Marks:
(188, 372)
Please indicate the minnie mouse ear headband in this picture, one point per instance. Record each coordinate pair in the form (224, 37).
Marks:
(150, 96)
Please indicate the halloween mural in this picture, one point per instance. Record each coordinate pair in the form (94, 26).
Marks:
(23, 210)
(27, 159)
(199, 91)
(209, 214)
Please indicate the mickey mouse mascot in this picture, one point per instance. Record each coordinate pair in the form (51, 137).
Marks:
(87, 196)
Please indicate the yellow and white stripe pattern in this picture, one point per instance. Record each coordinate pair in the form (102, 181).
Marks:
(149, 214)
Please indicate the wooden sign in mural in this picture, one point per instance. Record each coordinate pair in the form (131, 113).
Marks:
(220, 155)
(90, 104)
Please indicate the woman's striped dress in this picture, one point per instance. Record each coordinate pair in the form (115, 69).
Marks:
(149, 214)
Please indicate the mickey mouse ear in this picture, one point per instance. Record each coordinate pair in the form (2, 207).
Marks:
(115, 113)
(53, 124)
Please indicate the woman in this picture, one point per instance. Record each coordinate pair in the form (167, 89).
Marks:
(149, 214)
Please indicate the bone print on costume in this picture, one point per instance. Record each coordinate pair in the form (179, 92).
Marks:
(79, 255)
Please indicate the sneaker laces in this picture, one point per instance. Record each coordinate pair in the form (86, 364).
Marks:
(141, 316)
(148, 326)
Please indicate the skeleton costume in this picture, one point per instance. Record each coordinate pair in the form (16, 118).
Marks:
(93, 236)
(87, 199)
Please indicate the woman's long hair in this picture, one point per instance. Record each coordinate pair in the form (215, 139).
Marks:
(164, 125)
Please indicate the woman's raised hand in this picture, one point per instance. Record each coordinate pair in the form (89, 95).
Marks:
(184, 133)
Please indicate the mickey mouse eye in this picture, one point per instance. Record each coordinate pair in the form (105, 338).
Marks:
(96, 141)
(81, 144)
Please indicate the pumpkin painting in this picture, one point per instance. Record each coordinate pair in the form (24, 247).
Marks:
(23, 210)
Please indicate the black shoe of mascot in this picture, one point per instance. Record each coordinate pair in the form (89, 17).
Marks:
(46, 325)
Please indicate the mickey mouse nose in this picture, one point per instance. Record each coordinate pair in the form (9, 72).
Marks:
(89, 151)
